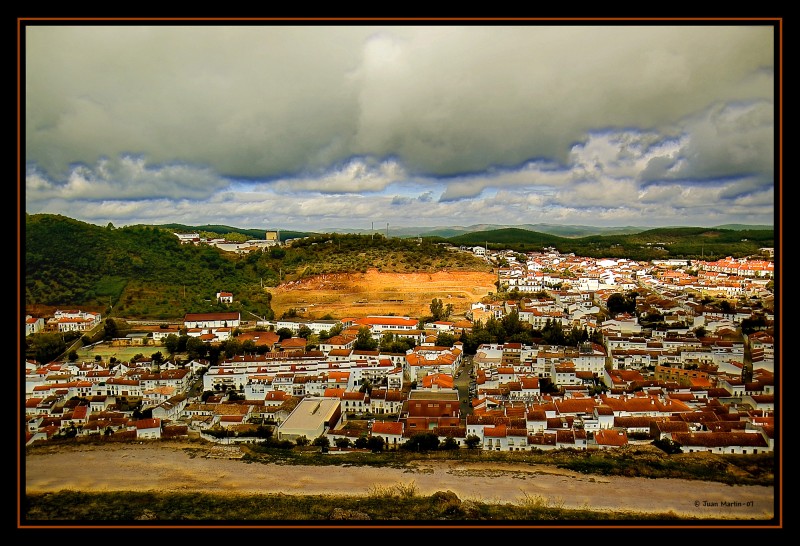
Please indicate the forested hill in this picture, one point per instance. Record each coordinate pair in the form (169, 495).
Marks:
(712, 243)
(145, 272)
(653, 244)
(141, 271)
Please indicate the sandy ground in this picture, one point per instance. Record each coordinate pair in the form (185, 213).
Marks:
(376, 293)
(137, 467)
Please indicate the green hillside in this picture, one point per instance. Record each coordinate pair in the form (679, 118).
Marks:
(507, 236)
(225, 230)
(136, 271)
(660, 243)
(145, 272)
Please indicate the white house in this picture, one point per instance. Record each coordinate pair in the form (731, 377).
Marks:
(224, 297)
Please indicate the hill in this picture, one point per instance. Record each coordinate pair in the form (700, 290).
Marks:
(737, 240)
(222, 230)
(144, 272)
(652, 244)
(135, 272)
(562, 230)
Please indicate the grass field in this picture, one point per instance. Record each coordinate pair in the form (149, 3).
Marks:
(106, 351)
(376, 293)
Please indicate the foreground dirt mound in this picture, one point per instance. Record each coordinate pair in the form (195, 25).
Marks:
(176, 467)
(379, 293)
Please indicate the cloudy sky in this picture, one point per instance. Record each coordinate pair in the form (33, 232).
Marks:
(309, 127)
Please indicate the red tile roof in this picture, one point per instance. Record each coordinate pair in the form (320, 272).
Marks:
(610, 437)
(387, 427)
(148, 423)
(719, 439)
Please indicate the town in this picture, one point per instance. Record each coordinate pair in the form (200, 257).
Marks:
(570, 352)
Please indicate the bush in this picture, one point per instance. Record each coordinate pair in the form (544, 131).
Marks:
(668, 446)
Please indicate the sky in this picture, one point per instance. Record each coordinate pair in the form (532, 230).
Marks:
(276, 125)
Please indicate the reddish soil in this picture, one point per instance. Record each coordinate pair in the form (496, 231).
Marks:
(375, 293)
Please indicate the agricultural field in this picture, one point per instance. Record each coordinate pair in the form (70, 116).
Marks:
(343, 295)
(124, 354)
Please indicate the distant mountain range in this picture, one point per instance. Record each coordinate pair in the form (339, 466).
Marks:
(569, 231)
(561, 230)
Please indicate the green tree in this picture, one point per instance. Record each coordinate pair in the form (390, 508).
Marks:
(668, 446)
(277, 253)
(619, 303)
(72, 356)
(321, 441)
(171, 344)
(437, 309)
(511, 323)
(752, 323)
(472, 441)
(195, 348)
(440, 311)
(449, 443)
(343, 443)
(422, 441)
(366, 386)
(304, 331)
(182, 340)
(284, 333)
(364, 340)
(444, 339)
(553, 333)
(376, 444)
(301, 441)
(110, 329)
(232, 347)
(263, 431)
(45, 347)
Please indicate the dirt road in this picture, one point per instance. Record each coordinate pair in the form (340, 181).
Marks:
(136, 467)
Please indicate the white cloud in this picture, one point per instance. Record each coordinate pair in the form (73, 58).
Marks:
(307, 124)
(358, 175)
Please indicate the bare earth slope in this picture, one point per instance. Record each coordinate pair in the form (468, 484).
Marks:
(377, 293)
(170, 467)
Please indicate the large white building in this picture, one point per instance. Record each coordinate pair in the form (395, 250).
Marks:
(312, 417)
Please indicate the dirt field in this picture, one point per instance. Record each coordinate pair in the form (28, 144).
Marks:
(375, 293)
(170, 467)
